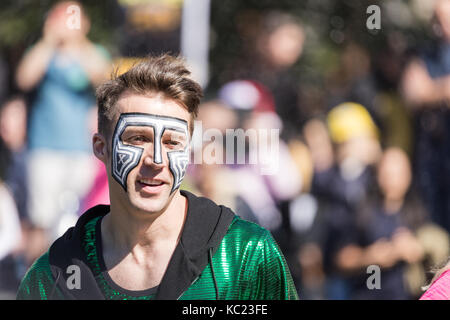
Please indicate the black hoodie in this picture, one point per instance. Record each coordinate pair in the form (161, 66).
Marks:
(205, 226)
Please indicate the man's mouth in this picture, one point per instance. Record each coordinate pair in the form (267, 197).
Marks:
(150, 186)
(150, 182)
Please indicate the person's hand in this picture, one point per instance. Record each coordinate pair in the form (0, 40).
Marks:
(418, 87)
(310, 256)
(381, 253)
(350, 258)
(53, 31)
(57, 30)
(407, 246)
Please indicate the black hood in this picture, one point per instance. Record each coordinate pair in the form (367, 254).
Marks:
(205, 226)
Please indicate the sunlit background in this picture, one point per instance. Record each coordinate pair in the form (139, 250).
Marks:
(360, 96)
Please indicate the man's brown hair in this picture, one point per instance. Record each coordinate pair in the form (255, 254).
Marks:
(164, 74)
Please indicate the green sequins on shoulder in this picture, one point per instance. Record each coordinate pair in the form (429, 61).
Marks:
(248, 265)
(38, 281)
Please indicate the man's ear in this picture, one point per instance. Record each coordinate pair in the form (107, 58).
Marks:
(100, 147)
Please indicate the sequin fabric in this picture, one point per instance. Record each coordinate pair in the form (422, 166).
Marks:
(38, 281)
(248, 265)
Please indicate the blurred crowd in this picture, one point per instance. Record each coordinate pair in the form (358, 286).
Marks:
(363, 164)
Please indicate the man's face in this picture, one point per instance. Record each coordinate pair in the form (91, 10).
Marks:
(150, 150)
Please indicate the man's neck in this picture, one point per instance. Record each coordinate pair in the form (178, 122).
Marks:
(125, 232)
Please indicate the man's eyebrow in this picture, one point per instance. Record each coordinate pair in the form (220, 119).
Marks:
(138, 129)
(173, 131)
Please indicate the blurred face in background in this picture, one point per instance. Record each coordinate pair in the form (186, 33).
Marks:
(284, 45)
(442, 11)
(13, 124)
(394, 174)
(356, 136)
(215, 115)
(363, 149)
(355, 62)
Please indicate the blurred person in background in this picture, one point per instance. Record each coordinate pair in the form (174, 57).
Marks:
(305, 212)
(211, 179)
(10, 237)
(344, 150)
(60, 71)
(426, 88)
(373, 82)
(13, 132)
(272, 49)
(385, 232)
(268, 201)
(354, 80)
(256, 109)
(396, 119)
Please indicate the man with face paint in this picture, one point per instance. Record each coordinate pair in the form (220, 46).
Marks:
(156, 241)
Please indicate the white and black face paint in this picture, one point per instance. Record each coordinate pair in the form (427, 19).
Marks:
(125, 157)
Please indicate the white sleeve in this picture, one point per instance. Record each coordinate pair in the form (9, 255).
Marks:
(10, 232)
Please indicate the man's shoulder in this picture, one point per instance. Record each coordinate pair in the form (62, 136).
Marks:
(247, 237)
(37, 281)
(247, 231)
(259, 260)
(40, 267)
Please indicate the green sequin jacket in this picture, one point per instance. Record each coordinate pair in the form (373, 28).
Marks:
(219, 256)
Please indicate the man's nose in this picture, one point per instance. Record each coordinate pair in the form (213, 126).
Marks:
(153, 157)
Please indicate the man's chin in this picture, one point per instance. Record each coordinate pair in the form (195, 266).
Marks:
(149, 208)
(152, 204)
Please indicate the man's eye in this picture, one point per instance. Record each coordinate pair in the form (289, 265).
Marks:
(173, 143)
(138, 139)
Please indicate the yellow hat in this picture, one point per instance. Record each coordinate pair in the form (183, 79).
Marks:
(350, 120)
